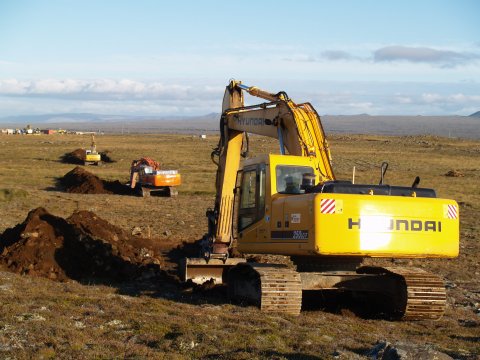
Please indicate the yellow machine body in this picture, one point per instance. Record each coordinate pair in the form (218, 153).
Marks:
(367, 225)
(92, 157)
(291, 204)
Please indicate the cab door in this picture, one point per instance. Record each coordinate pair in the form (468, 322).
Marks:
(252, 202)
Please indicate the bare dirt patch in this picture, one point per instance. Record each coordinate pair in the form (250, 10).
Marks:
(454, 173)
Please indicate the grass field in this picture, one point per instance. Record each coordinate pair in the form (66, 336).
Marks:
(41, 318)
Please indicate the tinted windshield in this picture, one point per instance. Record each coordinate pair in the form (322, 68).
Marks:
(289, 178)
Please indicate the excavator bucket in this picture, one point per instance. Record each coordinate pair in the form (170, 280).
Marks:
(199, 270)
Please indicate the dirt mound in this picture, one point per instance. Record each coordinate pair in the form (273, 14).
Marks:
(81, 181)
(83, 247)
(105, 157)
(76, 157)
(98, 228)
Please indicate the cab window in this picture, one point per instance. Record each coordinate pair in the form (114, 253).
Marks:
(252, 196)
(289, 178)
(249, 190)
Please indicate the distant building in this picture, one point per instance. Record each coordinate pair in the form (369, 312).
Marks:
(203, 136)
(49, 131)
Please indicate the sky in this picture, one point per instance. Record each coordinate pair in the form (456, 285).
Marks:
(174, 58)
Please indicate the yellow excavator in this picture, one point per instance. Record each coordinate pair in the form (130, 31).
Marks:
(92, 156)
(291, 204)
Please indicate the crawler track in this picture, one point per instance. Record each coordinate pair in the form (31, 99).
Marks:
(414, 293)
(425, 293)
(273, 288)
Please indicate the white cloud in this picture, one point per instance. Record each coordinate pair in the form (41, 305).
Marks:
(430, 98)
(104, 89)
(433, 103)
(402, 99)
(13, 87)
(107, 96)
(458, 98)
(128, 96)
(51, 86)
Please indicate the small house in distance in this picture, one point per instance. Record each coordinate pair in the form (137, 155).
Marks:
(8, 131)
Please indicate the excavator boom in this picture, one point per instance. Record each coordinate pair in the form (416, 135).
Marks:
(297, 127)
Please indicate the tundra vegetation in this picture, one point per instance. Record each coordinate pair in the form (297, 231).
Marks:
(155, 316)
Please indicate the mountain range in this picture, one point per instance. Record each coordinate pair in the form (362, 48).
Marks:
(449, 126)
(66, 118)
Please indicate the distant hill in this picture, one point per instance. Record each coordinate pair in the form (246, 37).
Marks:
(451, 126)
(477, 114)
(68, 118)
(116, 123)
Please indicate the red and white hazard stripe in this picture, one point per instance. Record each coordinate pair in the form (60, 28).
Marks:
(452, 212)
(327, 206)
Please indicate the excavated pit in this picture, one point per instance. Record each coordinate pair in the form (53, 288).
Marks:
(83, 247)
(81, 181)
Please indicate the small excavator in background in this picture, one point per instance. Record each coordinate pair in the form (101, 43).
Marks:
(146, 177)
(92, 157)
(291, 204)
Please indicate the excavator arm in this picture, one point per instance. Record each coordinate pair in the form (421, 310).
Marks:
(298, 129)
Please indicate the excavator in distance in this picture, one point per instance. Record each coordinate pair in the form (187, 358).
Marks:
(291, 204)
(92, 156)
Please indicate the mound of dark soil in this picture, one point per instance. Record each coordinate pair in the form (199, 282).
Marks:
(81, 181)
(83, 247)
(98, 228)
(105, 157)
(74, 157)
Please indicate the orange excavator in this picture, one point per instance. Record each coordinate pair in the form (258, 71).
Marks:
(146, 176)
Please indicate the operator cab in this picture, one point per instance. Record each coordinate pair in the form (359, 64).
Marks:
(270, 176)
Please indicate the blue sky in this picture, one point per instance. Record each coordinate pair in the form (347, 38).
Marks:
(175, 58)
